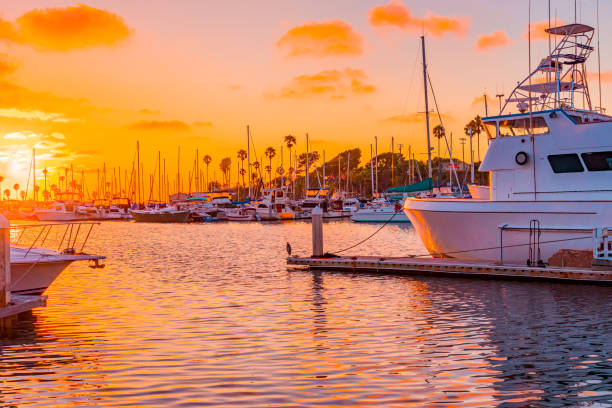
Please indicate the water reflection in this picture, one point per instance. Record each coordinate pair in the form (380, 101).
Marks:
(210, 315)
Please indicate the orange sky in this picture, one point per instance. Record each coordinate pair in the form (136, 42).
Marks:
(83, 82)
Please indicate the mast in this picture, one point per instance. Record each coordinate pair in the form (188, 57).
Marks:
(323, 167)
(348, 169)
(307, 162)
(34, 174)
(426, 106)
(372, 170)
(249, 158)
(599, 61)
(178, 172)
(392, 161)
(376, 161)
(410, 175)
(138, 169)
(159, 178)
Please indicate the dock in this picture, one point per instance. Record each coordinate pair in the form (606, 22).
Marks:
(21, 304)
(450, 267)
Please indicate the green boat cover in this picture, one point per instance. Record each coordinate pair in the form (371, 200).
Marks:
(423, 185)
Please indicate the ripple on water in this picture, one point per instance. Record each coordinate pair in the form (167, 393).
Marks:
(210, 315)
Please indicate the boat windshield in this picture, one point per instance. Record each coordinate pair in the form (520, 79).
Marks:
(521, 126)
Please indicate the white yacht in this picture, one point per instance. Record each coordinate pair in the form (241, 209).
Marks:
(34, 267)
(60, 211)
(275, 205)
(380, 211)
(550, 170)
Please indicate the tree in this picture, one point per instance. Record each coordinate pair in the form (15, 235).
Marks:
(242, 155)
(225, 165)
(16, 188)
(207, 160)
(7, 193)
(1, 180)
(22, 194)
(438, 133)
(270, 153)
(477, 130)
(290, 141)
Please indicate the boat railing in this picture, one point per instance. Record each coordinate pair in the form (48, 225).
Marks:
(67, 237)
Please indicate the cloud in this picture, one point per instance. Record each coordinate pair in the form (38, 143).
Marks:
(203, 124)
(493, 40)
(396, 15)
(6, 66)
(329, 38)
(23, 135)
(160, 125)
(538, 28)
(65, 28)
(335, 84)
(234, 87)
(149, 111)
(34, 115)
(479, 101)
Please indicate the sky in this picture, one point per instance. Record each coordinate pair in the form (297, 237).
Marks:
(82, 82)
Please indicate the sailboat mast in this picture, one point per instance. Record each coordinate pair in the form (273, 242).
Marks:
(376, 161)
(372, 170)
(392, 161)
(426, 106)
(249, 158)
(138, 169)
(307, 162)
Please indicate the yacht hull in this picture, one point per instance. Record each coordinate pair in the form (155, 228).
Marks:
(472, 229)
(166, 217)
(33, 279)
(57, 216)
(378, 215)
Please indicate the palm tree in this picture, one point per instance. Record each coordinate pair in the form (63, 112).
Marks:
(270, 153)
(242, 155)
(7, 193)
(268, 169)
(290, 141)
(22, 194)
(207, 159)
(16, 188)
(225, 166)
(438, 132)
(477, 130)
(45, 171)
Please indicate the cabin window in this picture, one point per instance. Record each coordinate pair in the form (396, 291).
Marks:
(598, 161)
(565, 163)
(491, 129)
(520, 127)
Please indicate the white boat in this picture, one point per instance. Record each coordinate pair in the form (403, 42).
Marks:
(33, 269)
(275, 205)
(550, 170)
(380, 213)
(60, 211)
(242, 214)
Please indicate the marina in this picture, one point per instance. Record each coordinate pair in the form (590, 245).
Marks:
(388, 204)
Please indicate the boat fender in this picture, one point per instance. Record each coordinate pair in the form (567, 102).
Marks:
(521, 158)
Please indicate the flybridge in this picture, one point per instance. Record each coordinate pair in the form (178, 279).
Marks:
(560, 79)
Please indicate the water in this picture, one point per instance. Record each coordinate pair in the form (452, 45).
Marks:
(209, 315)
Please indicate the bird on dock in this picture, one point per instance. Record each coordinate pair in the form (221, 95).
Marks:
(288, 248)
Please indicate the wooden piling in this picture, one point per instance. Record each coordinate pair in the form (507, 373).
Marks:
(317, 231)
(5, 262)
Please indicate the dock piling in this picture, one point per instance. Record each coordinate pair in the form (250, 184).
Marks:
(317, 231)
(5, 262)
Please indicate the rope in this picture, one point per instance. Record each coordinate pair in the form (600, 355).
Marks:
(371, 235)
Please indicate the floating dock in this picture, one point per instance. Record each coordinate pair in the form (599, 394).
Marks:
(451, 267)
(22, 303)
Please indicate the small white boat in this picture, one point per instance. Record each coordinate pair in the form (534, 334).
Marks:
(242, 214)
(386, 213)
(59, 211)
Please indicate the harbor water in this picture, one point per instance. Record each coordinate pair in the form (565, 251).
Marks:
(210, 315)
